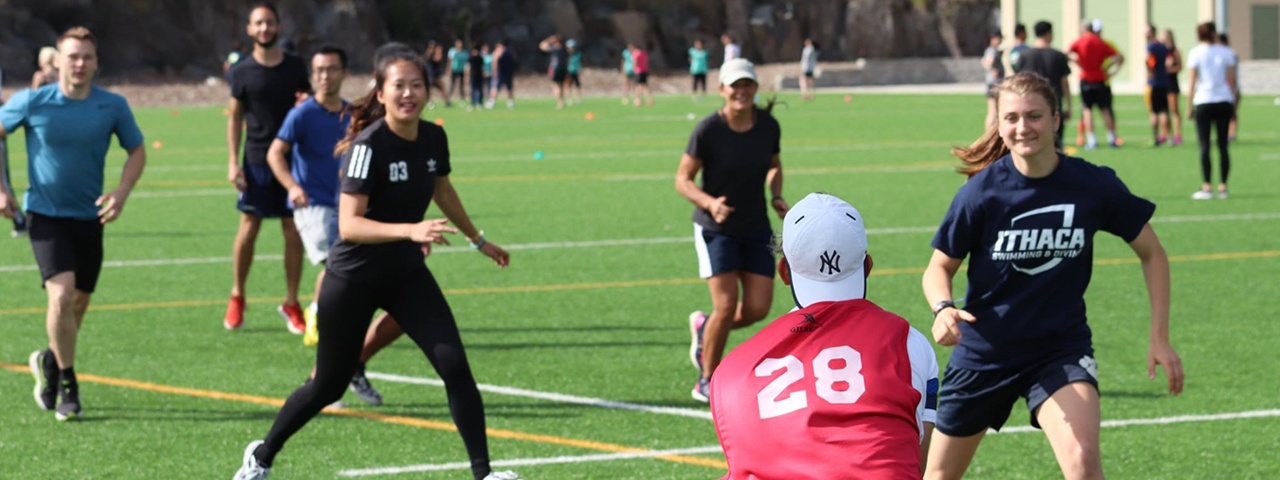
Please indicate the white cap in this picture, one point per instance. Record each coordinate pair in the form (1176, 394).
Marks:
(1096, 24)
(737, 69)
(825, 242)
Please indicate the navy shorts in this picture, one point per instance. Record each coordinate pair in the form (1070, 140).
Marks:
(970, 401)
(67, 245)
(263, 196)
(721, 253)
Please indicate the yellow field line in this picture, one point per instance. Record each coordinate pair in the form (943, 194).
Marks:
(380, 417)
(618, 284)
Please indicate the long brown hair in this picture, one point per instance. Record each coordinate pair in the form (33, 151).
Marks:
(990, 147)
(368, 109)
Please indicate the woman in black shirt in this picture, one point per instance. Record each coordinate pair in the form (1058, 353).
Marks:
(394, 165)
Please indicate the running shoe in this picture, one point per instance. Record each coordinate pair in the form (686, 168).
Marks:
(69, 407)
(1222, 194)
(311, 336)
(362, 388)
(702, 390)
(234, 318)
(44, 367)
(503, 475)
(292, 315)
(250, 469)
(697, 323)
(1202, 195)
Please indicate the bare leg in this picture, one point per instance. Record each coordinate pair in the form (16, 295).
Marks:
(65, 315)
(949, 456)
(1071, 418)
(242, 252)
(292, 259)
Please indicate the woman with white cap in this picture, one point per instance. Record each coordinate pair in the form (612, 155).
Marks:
(736, 149)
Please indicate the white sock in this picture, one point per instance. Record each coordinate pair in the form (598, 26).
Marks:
(1111, 137)
(1091, 138)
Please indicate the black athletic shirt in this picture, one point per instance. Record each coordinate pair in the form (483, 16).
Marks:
(266, 94)
(734, 165)
(1049, 63)
(399, 177)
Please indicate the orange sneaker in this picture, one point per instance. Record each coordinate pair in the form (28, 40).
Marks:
(235, 313)
(292, 314)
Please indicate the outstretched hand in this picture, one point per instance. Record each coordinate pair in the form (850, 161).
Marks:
(946, 325)
(431, 231)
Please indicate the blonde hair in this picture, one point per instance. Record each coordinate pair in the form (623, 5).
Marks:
(990, 147)
(47, 56)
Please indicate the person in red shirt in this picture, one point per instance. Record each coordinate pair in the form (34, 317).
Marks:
(1098, 61)
(837, 388)
(640, 64)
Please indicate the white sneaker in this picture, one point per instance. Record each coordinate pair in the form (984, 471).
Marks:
(249, 467)
(1202, 195)
(504, 475)
(1222, 194)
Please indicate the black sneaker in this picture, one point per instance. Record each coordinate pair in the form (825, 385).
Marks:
(19, 225)
(69, 407)
(44, 367)
(362, 388)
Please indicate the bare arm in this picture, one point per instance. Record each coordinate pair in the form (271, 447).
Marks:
(446, 197)
(1191, 91)
(112, 203)
(1235, 87)
(1155, 270)
(354, 227)
(773, 178)
(235, 125)
(1066, 102)
(7, 208)
(1117, 61)
(686, 186)
(924, 446)
(937, 287)
(277, 158)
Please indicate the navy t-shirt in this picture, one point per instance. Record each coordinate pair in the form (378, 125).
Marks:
(734, 165)
(1156, 55)
(1030, 248)
(399, 177)
(266, 94)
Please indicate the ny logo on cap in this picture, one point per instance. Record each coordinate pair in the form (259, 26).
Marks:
(830, 262)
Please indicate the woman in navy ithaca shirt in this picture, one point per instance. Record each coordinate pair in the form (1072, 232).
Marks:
(1026, 219)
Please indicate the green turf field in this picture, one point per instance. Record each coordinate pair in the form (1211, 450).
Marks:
(581, 345)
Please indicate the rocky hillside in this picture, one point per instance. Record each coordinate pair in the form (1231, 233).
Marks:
(144, 40)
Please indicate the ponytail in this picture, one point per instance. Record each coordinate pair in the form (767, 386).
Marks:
(363, 112)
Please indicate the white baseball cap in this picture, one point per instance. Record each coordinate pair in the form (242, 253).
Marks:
(737, 69)
(1096, 24)
(824, 241)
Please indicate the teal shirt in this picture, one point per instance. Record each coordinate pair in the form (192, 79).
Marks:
(628, 64)
(488, 65)
(575, 62)
(67, 142)
(697, 61)
(458, 59)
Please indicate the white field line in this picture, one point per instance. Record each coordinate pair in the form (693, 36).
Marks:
(552, 396)
(521, 462)
(616, 242)
(713, 449)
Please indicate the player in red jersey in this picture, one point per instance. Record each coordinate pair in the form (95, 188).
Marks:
(838, 387)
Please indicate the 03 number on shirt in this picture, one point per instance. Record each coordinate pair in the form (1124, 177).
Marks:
(399, 171)
(770, 400)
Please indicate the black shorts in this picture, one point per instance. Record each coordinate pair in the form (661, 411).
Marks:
(575, 80)
(991, 91)
(557, 77)
(808, 74)
(263, 196)
(1095, 94)
(67, 245)
(1158, 99)
(971, 401)
(457, 76)
(700, 81)
(642, 78)
(720, 253)
(503, 80)
(1174, 88)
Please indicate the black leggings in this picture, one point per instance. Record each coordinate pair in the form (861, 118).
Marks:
(1217, 115)
(346, 308)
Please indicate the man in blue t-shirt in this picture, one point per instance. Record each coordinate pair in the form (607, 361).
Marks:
(1157, 87)
(68, 131)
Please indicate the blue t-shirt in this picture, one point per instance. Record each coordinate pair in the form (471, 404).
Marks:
(1030, 248)
(575, 62)
(628, 63)
(458, 59)
(314, 132)
(697, 61)
(1156, 55)
(67, 142)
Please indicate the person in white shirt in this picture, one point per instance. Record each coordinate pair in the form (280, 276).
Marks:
(808, 63)
(731, 49)
(1212, 68)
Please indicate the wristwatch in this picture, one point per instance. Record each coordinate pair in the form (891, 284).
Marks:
(938, 307)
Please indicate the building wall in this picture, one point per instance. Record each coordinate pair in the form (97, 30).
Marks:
(1240, 21)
